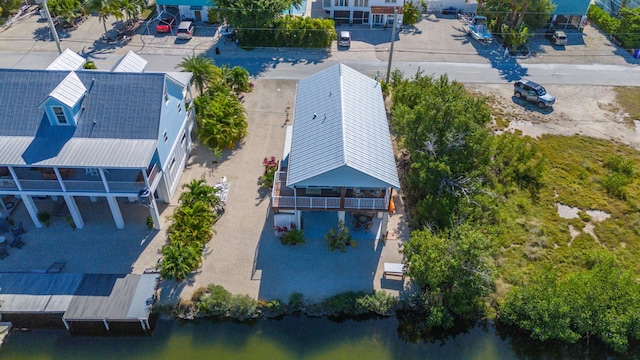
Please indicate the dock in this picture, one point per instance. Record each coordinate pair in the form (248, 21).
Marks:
(77, 299)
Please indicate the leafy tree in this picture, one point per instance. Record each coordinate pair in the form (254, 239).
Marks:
(192, 224)
(630, 22)
(178, 260)
(236, 78)
(105, 8)
(517, 15)
(442, 129)
(202, 68)
(295, 4)
(454, 270)
(66, 10)
(221, 119)
(7, 6)
(198, 190)
(251, 13)
(518, 161)
(601, 300)
(411, 13)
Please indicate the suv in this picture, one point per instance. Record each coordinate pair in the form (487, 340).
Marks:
(533, 92)
(558, 37)
(344, 39)
(185, 30)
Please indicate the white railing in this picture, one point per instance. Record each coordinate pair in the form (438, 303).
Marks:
(49, 185)
(126, 186)
(84, 185)
(329, 203)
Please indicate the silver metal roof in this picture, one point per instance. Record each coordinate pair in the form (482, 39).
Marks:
(77, 152)
(182, 78)
(340, 132)
(69, 91)
(68, 60)
(131, 62)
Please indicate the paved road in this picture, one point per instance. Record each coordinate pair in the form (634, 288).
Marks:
(27, 45)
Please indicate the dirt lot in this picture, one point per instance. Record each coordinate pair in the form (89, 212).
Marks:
(582, 110)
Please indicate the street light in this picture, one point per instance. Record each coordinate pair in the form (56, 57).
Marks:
(51, 26)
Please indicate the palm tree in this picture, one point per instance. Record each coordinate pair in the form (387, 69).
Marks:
(104, 8)
(221, 120)
(192, 224)
(296, 4)
(199, 191)
(178, 260)
(202, 68)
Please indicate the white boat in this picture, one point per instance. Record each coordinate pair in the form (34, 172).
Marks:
(479, 31)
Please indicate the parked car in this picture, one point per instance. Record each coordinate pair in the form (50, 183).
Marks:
(530, 91)
(165, 25)
(559, 38)
(344, 39)
(185, 30)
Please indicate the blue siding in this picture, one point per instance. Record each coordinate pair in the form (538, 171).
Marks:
(170, 121)
(571, 7)
(68, 113)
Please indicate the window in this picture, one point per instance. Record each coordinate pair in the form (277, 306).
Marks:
(59, 113)
(342, 3)
(361, 3)
(179, 108)
(165, 136)
(165, 94)
(393, 1)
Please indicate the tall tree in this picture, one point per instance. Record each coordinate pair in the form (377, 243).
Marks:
(198, 190)
(202, 68)
(251, 13)
(221, 119)
(454, 269)
(442, 130)
(105, 9)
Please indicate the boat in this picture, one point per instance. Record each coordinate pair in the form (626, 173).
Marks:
(479, 31)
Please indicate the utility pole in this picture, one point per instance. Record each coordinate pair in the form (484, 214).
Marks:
(393, 40)
(51, 26)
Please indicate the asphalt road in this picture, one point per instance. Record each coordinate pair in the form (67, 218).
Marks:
(270, 67)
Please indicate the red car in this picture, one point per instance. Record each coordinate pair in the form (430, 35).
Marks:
(165, 25)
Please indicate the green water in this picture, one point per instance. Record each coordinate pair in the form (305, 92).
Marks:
(290, 338)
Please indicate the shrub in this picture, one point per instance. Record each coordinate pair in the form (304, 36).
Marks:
(288, 31)
(619, 164)
(614, 185)
(293, 237)
(380, 302)
(296, 302)
(337, 238)
(605, 22)
(270, 167)
(90, 65)
(345, 303)
(44, 217)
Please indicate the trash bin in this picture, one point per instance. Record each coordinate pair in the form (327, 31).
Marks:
(636, 53)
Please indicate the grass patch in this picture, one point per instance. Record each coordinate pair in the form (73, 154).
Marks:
(532, 234)
(628, 99)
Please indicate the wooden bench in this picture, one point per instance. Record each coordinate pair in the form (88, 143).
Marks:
(396, 269)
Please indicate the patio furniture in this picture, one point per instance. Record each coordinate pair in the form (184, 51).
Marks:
(396, 269)
(17, 229)
(17, 242)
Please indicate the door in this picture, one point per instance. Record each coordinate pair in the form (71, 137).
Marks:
(378, 19)
(198, 15)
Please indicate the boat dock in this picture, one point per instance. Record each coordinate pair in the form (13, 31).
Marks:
(77, 300)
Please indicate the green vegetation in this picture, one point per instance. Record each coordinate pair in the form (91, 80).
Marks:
(270, 167)
(44, 217)
(90, 65)
(8, 6)
(293, 237)
(411, 13)
(220, 116)
(190, 230)
(291, 31)
(628, 99)
(218, 302)
(515, 21)
(338, 238)
(488, 239)
(624, 28)
(359, 303)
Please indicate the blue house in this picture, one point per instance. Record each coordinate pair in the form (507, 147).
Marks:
(123, 135)
(187, 9)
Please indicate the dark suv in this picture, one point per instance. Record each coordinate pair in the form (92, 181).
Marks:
(530, 91)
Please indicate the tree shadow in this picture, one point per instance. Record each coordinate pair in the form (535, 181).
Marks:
(44, 34)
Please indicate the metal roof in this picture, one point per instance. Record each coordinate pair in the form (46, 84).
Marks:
(119, 124)
(340, 132)
(131, 62)
(69, 91)
(571, 7)
(68, 60)
(182, 78)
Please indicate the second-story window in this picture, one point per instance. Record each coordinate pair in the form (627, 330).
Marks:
(59, 113)
(165, 136)
(361, 3)
(179, 108)
(342, 3)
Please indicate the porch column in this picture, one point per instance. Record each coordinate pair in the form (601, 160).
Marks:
(298, 215)
(383, 225)
(32, 209)
(73, 209)
(341, 215)
(115, 211)
(153, 209)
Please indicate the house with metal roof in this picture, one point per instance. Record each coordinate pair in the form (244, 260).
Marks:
(123, 135)
(338, 153)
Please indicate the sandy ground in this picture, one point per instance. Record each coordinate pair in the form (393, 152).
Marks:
(579, 110)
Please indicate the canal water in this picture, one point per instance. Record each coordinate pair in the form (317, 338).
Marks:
(293, 338)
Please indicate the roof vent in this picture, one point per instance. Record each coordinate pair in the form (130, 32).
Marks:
(315, 115)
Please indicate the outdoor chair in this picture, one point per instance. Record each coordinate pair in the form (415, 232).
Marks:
(17, 229)
(17, 242)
